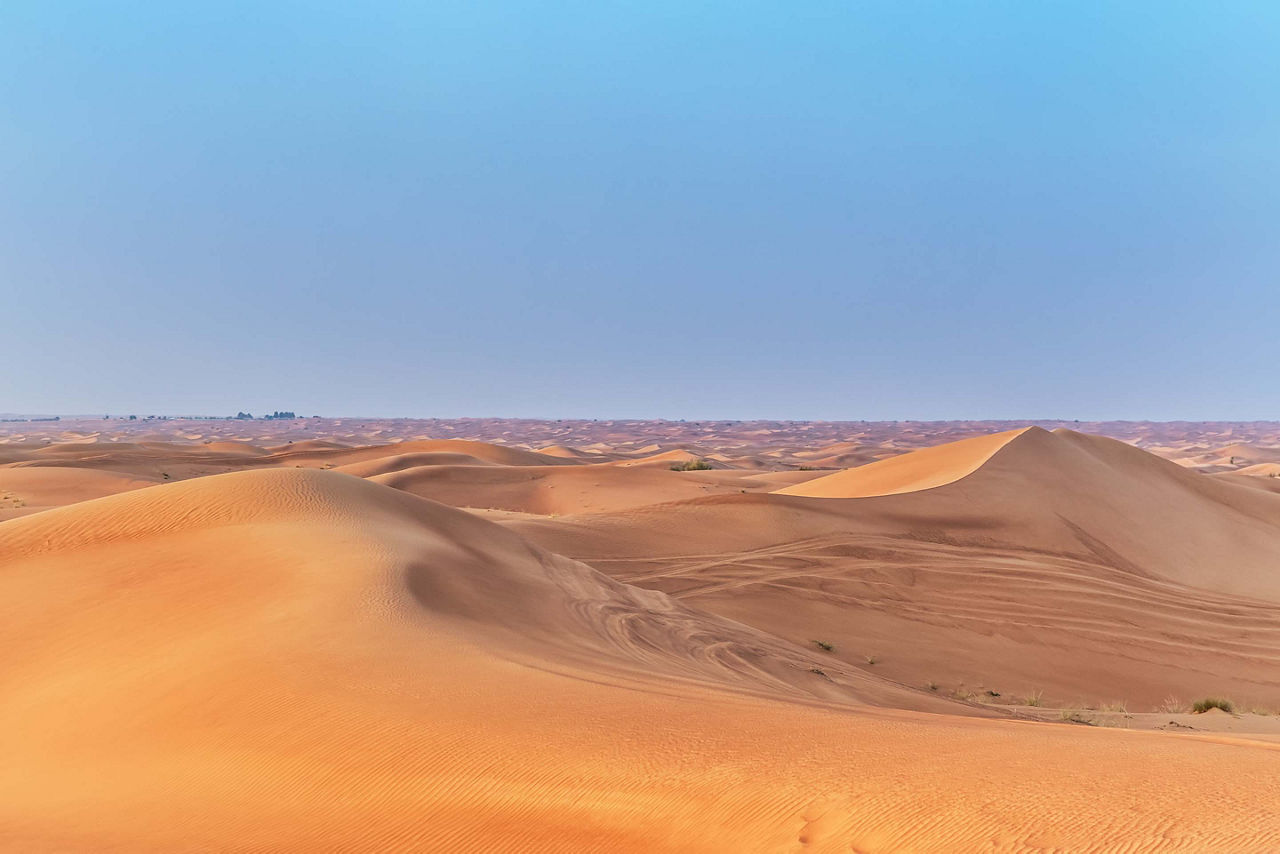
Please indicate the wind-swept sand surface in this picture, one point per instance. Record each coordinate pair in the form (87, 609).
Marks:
(923, 469)
(234, 648)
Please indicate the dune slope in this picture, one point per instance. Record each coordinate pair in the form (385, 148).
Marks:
(923, 469)
(1064, 563)
(301, 660)
(562, 490)
(1064, 490)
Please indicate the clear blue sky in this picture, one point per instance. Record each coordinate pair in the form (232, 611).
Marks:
(836, 210)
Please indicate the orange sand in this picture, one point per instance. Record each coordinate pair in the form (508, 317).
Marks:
(286, 658)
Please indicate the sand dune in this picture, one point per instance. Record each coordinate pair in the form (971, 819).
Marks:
(483, 451)
(1268, 470)
(429, 558)
(149, 459)
(1065, 490)
(28, 489)
(1068, 564)
(236, 448)
(293, 659)
(401, 462)
(666, 459)
(565, 452)
(567, 490)
(262, 655)
(306, 445)
(918, 470)
(1241, 454)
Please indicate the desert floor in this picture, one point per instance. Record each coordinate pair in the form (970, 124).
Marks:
(503, 635)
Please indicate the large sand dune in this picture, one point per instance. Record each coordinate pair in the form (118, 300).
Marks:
(284, 658)
(1069, 564)
(923, 469)
(1063, 491)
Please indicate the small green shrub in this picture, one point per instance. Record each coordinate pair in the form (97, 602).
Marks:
(692, 465)
(1202, 706)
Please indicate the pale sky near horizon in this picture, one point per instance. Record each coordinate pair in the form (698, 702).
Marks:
(818, 210)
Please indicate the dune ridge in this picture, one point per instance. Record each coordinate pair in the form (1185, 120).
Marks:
(923, 469)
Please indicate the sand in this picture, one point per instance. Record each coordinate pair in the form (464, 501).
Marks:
(294, 648)
(912, 472)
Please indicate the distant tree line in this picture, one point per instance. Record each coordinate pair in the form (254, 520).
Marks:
(275, 416)
(278, 415)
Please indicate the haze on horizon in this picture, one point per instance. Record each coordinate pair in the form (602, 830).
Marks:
(830, 211)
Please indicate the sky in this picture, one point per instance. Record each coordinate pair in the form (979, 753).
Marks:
(817, 210)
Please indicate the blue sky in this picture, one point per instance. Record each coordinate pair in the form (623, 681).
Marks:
(829, 210)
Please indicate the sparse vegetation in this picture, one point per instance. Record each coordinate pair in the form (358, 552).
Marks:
(1173, 706)
(824, 646)
(820, 672)
(932, 686)
(871, 659)
(692, 465)
(1035, 699)
(1202, 706)
(1073, 717)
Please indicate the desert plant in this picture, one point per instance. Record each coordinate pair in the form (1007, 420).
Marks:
(932, 686)
(1073, 717)
(824, 646)
(1202, 706)
(872, 659)
(692, 465)
(1173, 706)
(1034, 699)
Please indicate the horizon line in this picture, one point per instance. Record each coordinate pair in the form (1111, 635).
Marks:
(39, 417)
